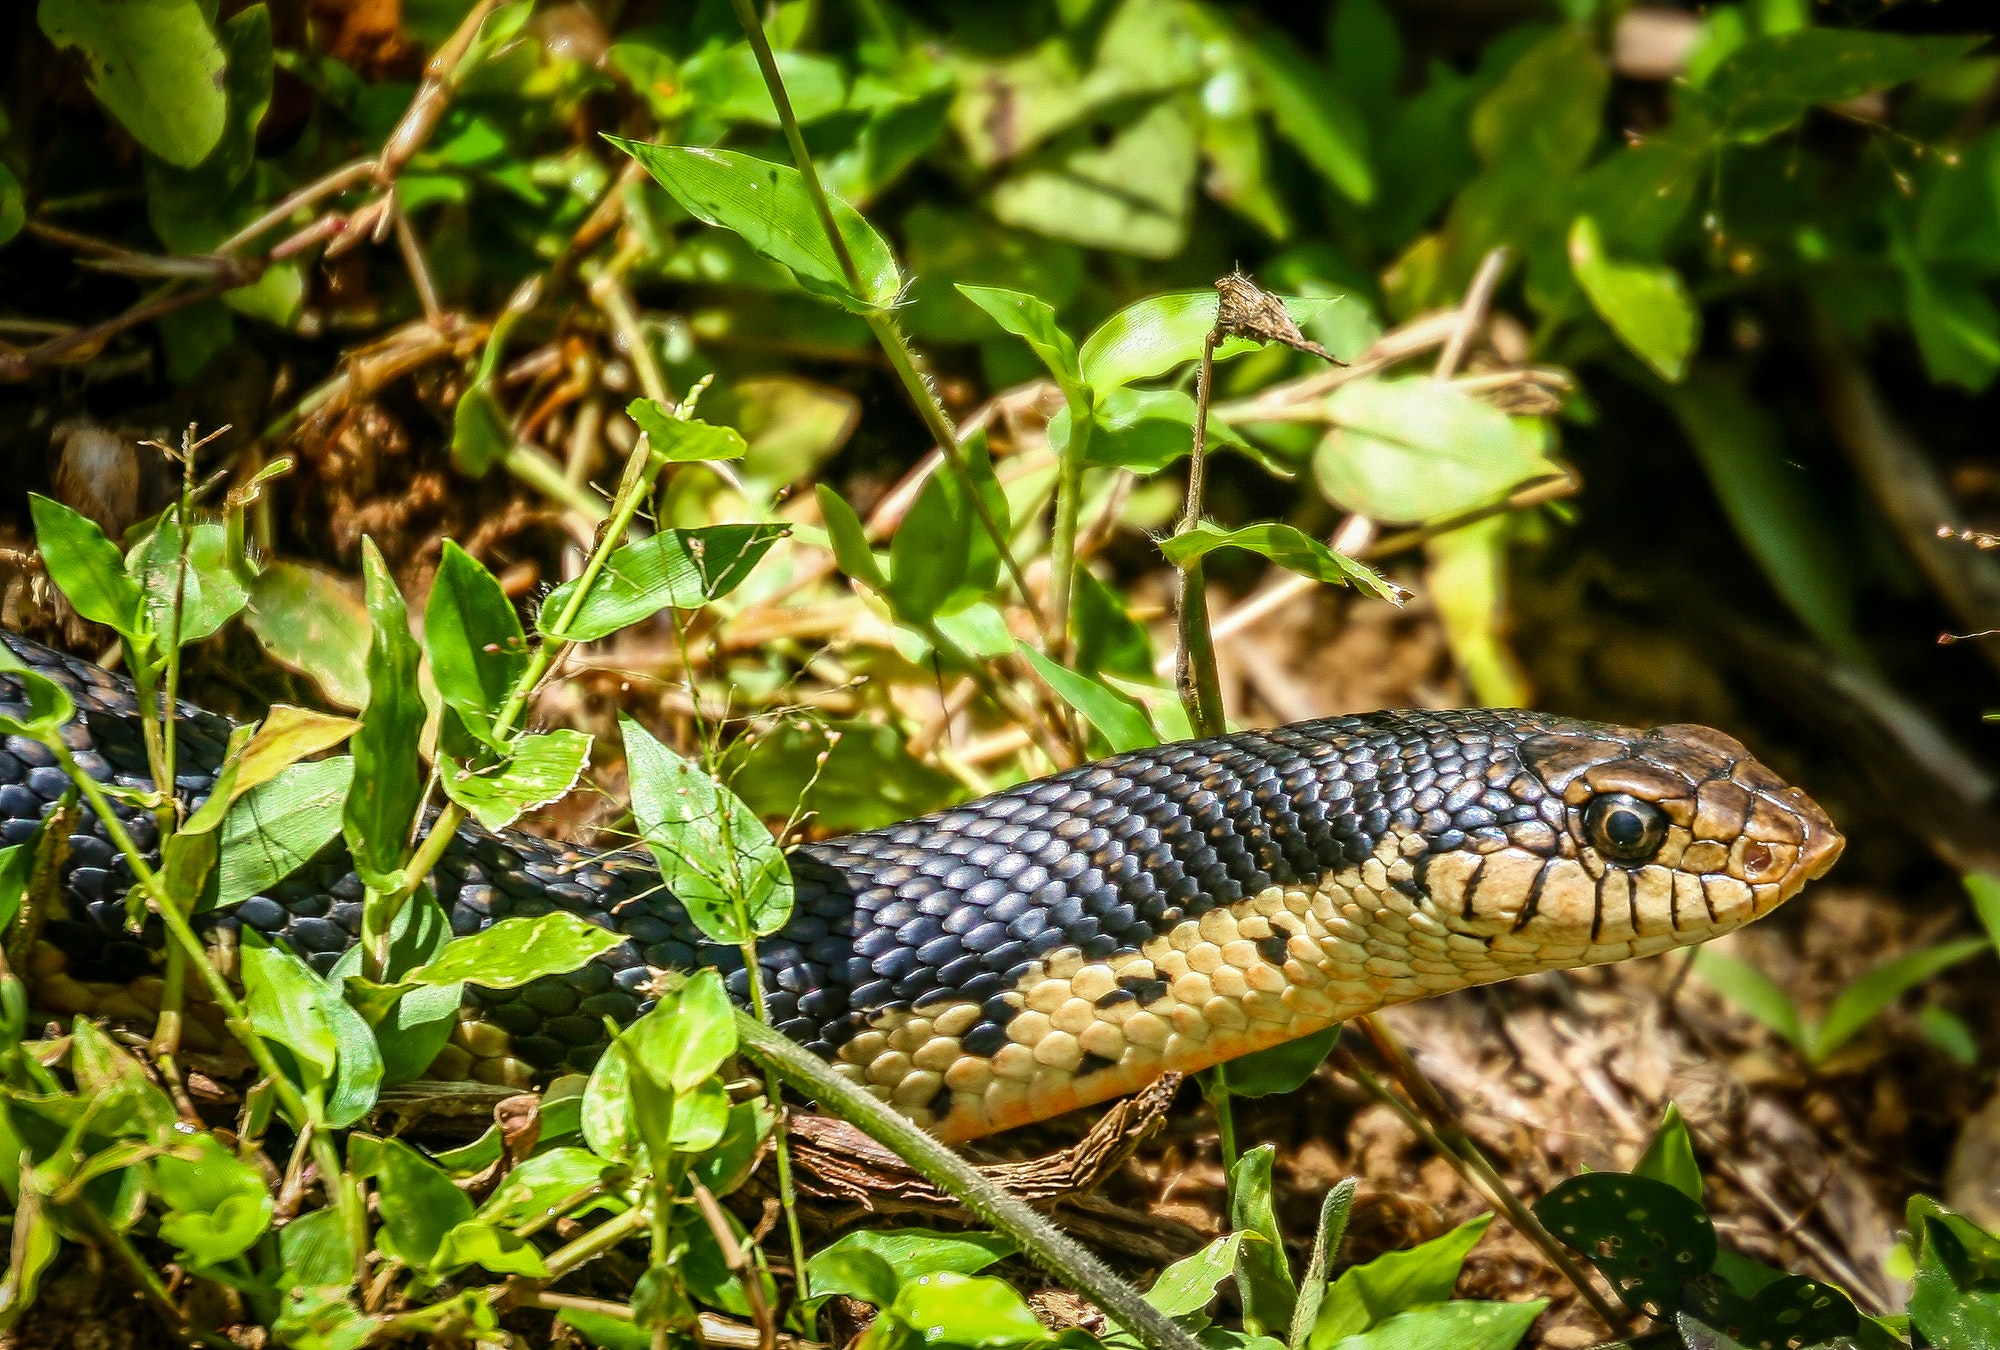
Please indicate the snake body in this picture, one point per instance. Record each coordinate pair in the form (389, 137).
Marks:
(1060, 942)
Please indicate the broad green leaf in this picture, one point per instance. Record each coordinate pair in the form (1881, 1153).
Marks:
(1145, 430)
(86, 566)
(1409, 449)
(676, 440)
(1033, 320)
(965, 1310)
(1115, 717)
(1647, 306)
(1104, 634)
(1786, 1310)
(850, 774)
(513, 952)
(850, 541)
(1185, 1289)
(541, 1183)
(419, 1203)
(1644, 1236)
(34, 1246)
(17, 868)
(725, 83)
(282, 996)
(309, 620)
(155, 65)
(1286, 546)
(689, 1035)
(219, 1205)
(1547, 112)
(212, 593)
(769, 206)
(1950, 1033)
(910, 1253)
(1369, 1294)
(388, 778)
(495, 1249)
(1152, 336)
(684, 569)
(942, 557)
(854, 1271)
(1333, 1212)
(1313, 113)
(286, 736)
(1669, 1156)
(314, 1250)
(277, 827)
(1263, 1275)
(474, 640)
(13, 205)
(1767, 84)
(1130, 193)
(1754, 992)
(543, 767)
(606, 1117)
(1280, 1069)
(49, 704)
(1956, 325)
(715, 855)
(1464, 1324)
(481, 435)
(1864, 1000)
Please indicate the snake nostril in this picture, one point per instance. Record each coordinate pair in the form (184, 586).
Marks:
(1756, 858)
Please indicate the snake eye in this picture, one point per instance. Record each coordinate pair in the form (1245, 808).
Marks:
(1621, 826)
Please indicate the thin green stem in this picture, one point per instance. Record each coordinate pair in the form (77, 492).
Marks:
(894, 345)
(1062, 538)
(597, 1241)
(1037, 1238)
(1200, 689)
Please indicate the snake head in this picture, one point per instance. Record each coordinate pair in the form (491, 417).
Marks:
(1669, 837)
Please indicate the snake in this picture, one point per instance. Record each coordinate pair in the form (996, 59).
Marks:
(1050, 946)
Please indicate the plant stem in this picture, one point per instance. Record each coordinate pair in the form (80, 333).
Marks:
(597, 1241)
(1062, 537)
(1037, 1238)
(1200, 689)
(894, 345)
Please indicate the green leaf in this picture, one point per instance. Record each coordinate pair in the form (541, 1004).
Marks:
(34, 1247)
(49, 704)
(1786, 1310)
(1313, 113)
(1956, 325)
(495, 1249)
(1754, 992)
(685, 1039)
(542, 1183)
(1263, 1278)
(1144, 430)
(481, 435)
(1865, 999)
(1152, 336)
(942, 557)
(1465, 1324)
(86, 566)
(277, 827)
(1767, 84)
(1120, 721)
(855, 1272)
(1185, 1289)
(212, 594)
(219, 1205)
(419, 1203)
(543, 768)
(1410, 449)
(769, 206)
(1793, 537)
(474, 640)
(1955, 1297)
(684, 569)
(1949, 1032)
(1645, 1237)
(1333, 1212)
(715, 855)
(1669, 1156)
(286, 736)
(1286, 546)
(514, 952)
(1280, 1069)
(851, 774)
(911, 1253)
(1366, 1295)
(310, 621)
(1131, 192)
(335, 1052)
(1984, 888)
(965, 1310)
(1546, 114)
(17, 868)
(154, 64)
(1647, 307)
(676, 440)
(850, 541)
(1033, 320)
(388, 778)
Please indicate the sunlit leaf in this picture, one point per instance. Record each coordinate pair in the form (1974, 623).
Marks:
(1647, 306)
(1286, 546)
(1864, 1000)
(1120, 723)
(681, 569)
(1409, 449)
(1669, 1156)
(1263, 1274)
(514, 952)
(277, 827)
(676, 440)
(543, 767)
(474, 640)
(86, 566)
(310, 620)
(210, 589)
(388, 778)
(154, 64)
(1366, 1295)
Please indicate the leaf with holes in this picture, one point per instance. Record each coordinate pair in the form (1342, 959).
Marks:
(1790, 1311)
(1646, 1237)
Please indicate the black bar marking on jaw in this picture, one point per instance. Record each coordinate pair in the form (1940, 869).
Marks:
(1471, 887)
(1534, 904)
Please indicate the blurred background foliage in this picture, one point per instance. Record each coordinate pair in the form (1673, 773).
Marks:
(1709, 290)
